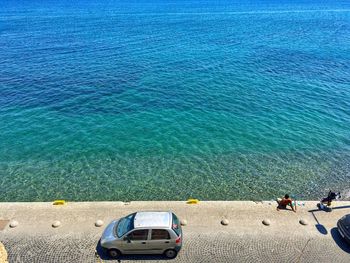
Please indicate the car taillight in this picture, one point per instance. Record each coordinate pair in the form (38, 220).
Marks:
(178, 240)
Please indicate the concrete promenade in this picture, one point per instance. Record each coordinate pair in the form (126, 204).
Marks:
(244, 239)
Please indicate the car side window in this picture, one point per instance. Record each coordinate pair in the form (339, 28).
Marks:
(141, 234)
(160, 234)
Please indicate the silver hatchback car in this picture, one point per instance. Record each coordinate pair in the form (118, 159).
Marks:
(143, 233)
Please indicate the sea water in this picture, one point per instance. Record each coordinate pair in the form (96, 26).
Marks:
(171, 99)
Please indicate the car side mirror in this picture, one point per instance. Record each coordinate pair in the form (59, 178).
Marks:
(127, 238)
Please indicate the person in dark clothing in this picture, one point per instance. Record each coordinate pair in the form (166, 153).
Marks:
(328, 200)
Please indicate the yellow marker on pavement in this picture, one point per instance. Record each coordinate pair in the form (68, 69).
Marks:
(59, 202)
(192, 201)
(3, 254)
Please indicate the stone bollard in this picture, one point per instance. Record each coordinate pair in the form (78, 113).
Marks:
(98, 223)
(183, 222)
(266, 222)
(56, 224)
(13, 223)
(303, 222)
(224, 222)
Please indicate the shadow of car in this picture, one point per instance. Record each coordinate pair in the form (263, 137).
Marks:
(339, 240)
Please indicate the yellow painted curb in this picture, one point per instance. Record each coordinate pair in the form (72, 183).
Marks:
(3, 254)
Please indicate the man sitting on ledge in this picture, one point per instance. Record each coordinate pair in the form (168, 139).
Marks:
(286, 200)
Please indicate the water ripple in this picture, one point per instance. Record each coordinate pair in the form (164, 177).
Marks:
(224, 100)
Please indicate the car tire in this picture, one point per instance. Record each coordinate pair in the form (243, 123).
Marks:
(114, 253)
(170, 253)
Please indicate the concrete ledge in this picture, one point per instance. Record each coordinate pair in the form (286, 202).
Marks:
(37, 217)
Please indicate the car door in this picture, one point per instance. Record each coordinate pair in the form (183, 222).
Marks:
(159, 240)
(135, 242)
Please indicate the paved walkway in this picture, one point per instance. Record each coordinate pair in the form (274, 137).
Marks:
(245, 239)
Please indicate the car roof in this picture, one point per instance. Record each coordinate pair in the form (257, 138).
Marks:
(152, 219)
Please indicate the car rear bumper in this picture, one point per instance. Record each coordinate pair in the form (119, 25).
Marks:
(178, 248)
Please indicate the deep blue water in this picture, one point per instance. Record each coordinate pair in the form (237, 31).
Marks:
(126, 100)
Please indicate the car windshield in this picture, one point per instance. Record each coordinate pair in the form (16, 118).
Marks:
(125, 225)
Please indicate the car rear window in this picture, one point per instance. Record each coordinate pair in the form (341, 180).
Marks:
(176, 225)
(160, 234)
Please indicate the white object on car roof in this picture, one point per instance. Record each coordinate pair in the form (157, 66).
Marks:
(152, 219)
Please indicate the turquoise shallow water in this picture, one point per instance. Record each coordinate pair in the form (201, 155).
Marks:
(150, 100)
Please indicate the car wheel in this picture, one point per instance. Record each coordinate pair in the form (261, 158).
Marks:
(114, 253)
(170, 253)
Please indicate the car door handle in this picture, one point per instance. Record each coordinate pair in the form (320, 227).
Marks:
(143, 242)
(166, 242)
